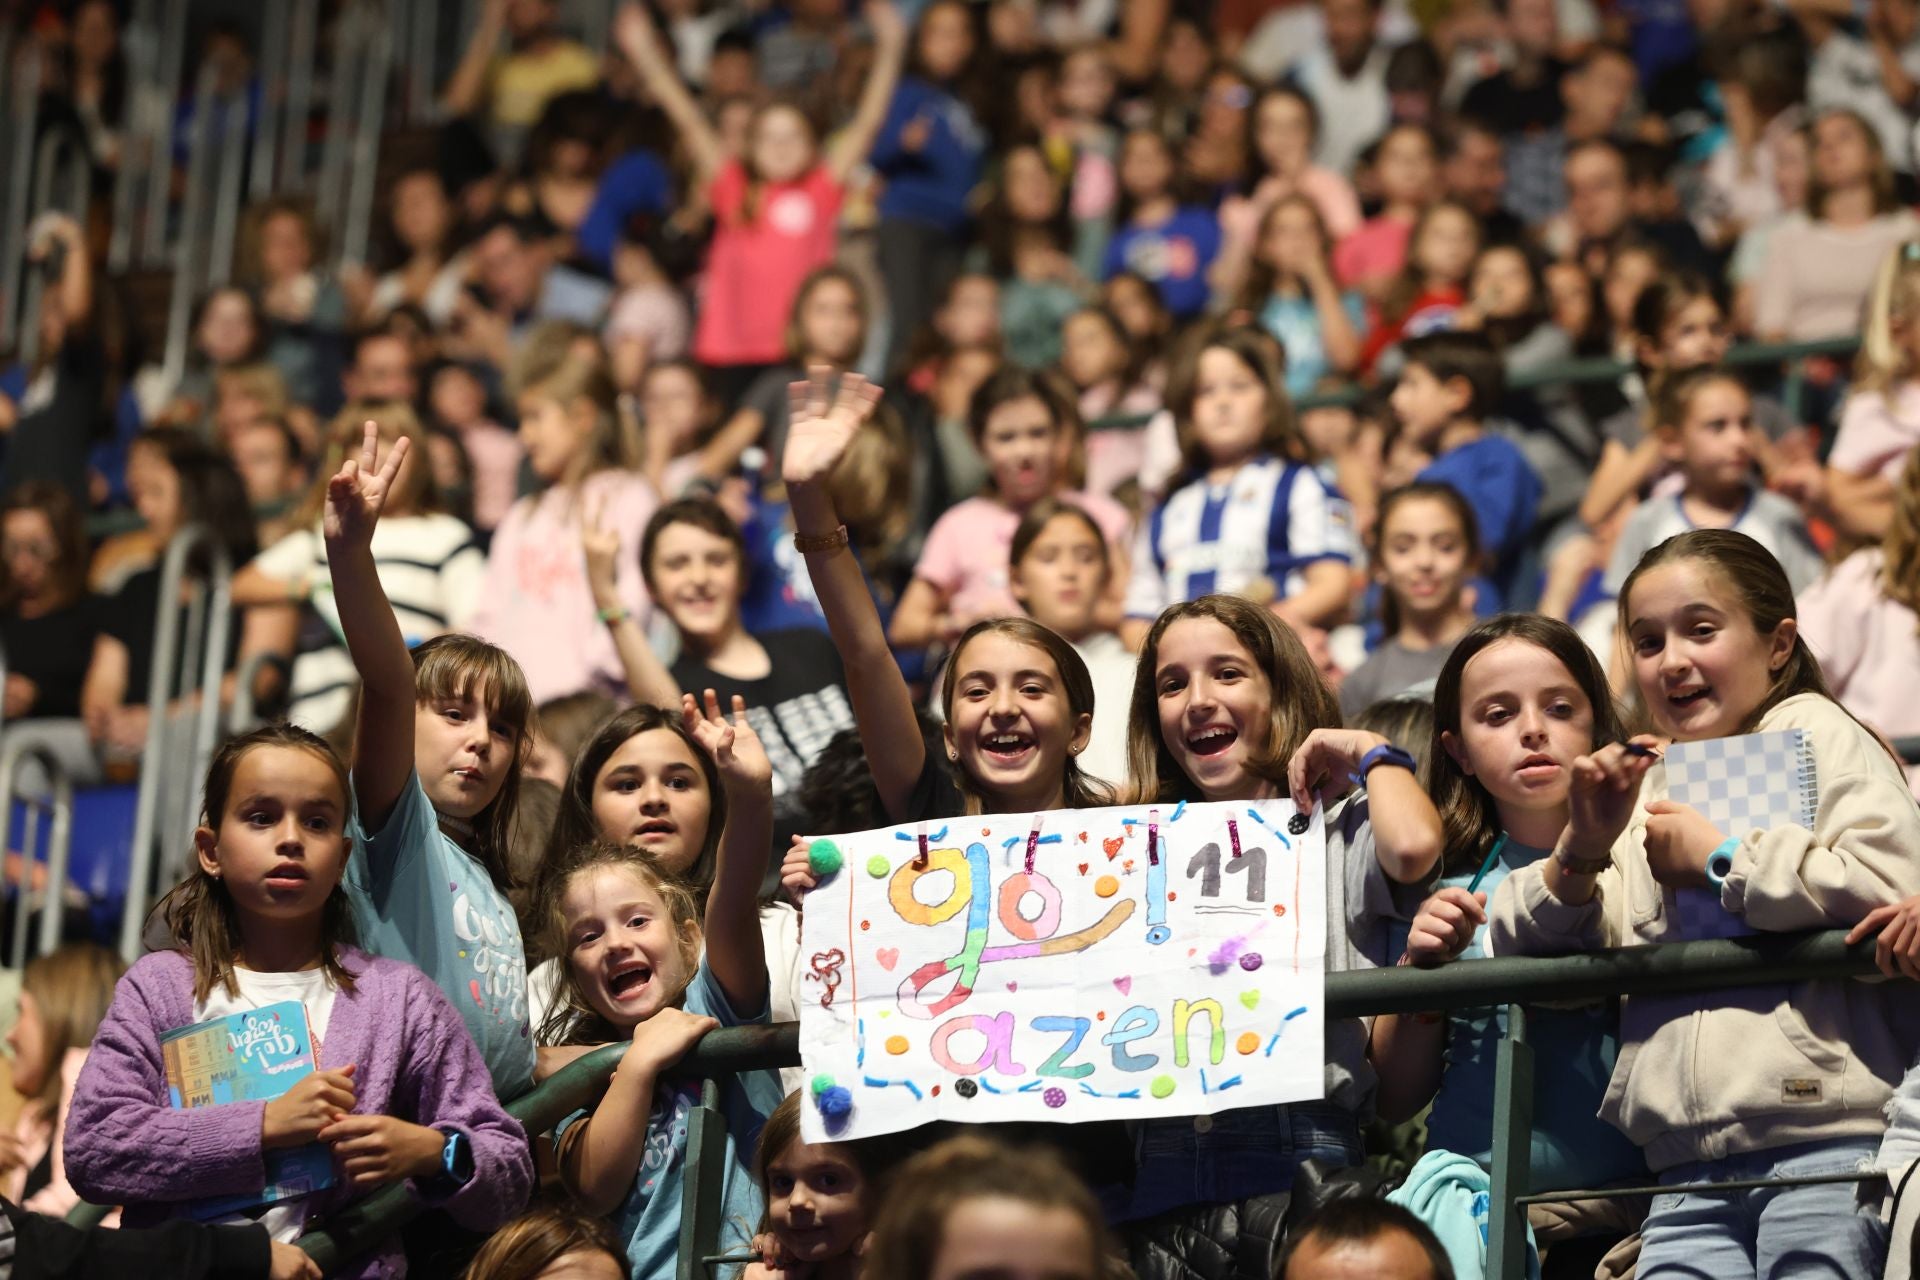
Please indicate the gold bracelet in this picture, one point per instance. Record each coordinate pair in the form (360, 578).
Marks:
(1582, 866)
(808, 545)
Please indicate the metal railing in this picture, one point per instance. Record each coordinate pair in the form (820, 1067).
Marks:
(15, 752)
(1513, 982)
(198, 662)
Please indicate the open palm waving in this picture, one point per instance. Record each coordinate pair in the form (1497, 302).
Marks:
(822, 426)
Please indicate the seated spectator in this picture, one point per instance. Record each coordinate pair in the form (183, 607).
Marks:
(1108, 370)
(427, 272)
(47, 619)
(1027, 233)
(513, 88)
(1373, 255)
(1594, 94)
(1168, 243)
(1820, 263)
(457, 402)
(1346, 77)
(1291, 292)
(272, 471)
(305, 310)
(1473, 171)
(63, 997)
(429, 567)
(551, 1241)
(51, 411)
(519, 284)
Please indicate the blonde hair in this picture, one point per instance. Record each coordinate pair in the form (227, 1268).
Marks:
(1893, 308)
(72, 987)
(1900, 565)
(1299, 698)
(259, 381)
(552, 367)
(872, 488)
(345, 435)
(573, 1019)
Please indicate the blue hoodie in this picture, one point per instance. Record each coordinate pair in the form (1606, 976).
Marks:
(931, 185)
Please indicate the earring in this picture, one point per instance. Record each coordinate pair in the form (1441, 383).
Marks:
(953, 755)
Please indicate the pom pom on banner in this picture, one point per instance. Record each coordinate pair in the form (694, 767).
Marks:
(835, 1103)
(820, 1085)
(824, 858)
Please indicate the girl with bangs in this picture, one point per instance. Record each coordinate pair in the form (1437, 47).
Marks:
(1228, 706)
(438, 749)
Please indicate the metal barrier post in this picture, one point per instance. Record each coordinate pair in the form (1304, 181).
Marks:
(226, 207)
(1512, 1150)
(422, 63)
(59, 162)
(173, 53)
(273, 97)
(304, 25)
(155, 775)
(138, 161)
(23, 114)
(191, 246)
(375, 66)
(706, 1177)
(59, 842)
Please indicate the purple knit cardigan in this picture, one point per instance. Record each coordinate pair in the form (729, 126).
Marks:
(412, 1057)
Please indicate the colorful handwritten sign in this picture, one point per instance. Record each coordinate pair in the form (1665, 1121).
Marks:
(1089, 964)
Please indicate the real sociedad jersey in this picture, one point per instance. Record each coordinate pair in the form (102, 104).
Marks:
(1271, 519)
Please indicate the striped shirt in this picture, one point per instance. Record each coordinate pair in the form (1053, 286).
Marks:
(1270, 519)
(431, 571)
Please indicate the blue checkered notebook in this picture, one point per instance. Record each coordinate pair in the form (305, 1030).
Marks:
(1750, 783)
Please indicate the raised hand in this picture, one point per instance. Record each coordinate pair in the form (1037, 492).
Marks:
(796, 871)
(822, 427)
(359, 490)
(1606, 786)
(736, 749)
(297, 1116)
(885, 21)
(634, 32)
(601, 546)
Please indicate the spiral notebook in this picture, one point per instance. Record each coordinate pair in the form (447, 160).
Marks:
(1754, 782)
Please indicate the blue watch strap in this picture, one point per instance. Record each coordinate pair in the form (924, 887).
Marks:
(456, 1160)
(1386, 753)
(1720, 861)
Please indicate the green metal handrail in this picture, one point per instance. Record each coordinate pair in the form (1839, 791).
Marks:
(1667, 970)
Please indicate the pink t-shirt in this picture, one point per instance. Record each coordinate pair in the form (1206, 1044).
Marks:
(1868, 646)
(1374, 252)
(536, 603)
(968, 548)
(755, 265)
(1332, 196)
(1876, 431)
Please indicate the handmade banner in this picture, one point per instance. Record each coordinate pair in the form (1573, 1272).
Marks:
(1082, 964)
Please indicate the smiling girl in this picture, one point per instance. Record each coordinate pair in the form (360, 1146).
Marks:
(1024, 428)
(1778, 1080)
(820, 1200)
(638, 965)
(1427, 551)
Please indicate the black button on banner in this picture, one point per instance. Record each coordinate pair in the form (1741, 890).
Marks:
(1299, 823)
(966, 1088)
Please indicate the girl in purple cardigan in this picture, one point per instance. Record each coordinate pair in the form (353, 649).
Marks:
(399, 1092)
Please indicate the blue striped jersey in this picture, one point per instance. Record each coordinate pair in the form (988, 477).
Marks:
(1271, 519)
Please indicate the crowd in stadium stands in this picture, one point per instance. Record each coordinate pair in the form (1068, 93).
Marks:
(806, 419)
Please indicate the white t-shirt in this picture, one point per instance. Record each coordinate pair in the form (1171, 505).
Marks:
(284, 1219)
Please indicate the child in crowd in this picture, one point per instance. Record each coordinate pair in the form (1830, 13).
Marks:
(398, 1092)
(1704, 421)
(1291, 293)
(550, 1242)
(675, 411)
(536, 602)
(1450, 386)
(1519, 700)
(63, 997)
(1862, 621)
(776, 207)
(972, 1207)
(1167, 243)
(1108, 369)
(820, 1199)
(1881, 420)
(429, 569)
(828, 327)
(1426, 552)
(1709, 623)
(1027, 431)
(1426, 294)
(1282, 128)
(1061, 565)
(642, 964)
(438, 749)
(1227, 705)
(1253, 509)
(457, 402)
(1370, 256)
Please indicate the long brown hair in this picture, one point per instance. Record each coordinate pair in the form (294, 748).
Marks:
(72, 988)
(454, 666)
(782, 1131)
(1885, 198)
(1255, 349)
(1756, 580)
(346, 434)
(1900, 550)
(573, 1019)
(1301, 701)
(1263, 278)
(199, 913)
(1079, 790)
(540, 1237)
(1469, 818)
(67, 575)
(911, 1227)
(575, 826)
(1432, 491)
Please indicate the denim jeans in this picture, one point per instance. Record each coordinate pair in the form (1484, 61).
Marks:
(1830, 1231)
(1236, 1154)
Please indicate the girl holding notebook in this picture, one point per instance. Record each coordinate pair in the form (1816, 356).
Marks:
(1781, 1080)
